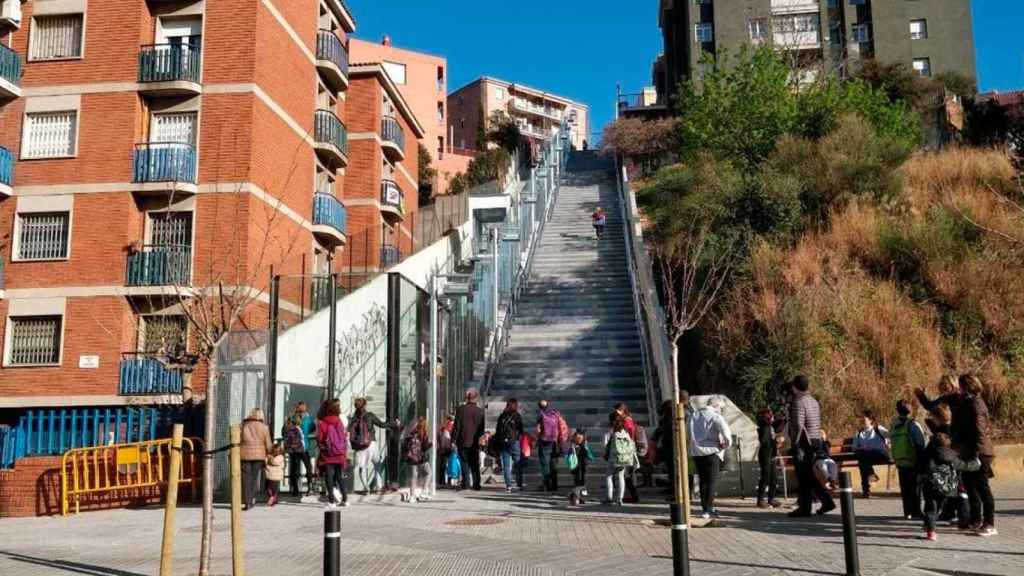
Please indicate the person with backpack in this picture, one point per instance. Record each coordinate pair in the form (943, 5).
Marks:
(941, 468)
(552, 433)
(295, 448)
(333, 453)
(906, 441)
(620, 453)
(361, 434)
(639, 436)
(415, 452)
(767, 452)
(871, 447)
(469, 428)
(506, 438)
(710, 437)
(255, 445)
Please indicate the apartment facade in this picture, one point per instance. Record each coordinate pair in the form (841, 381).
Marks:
(930, 36)
(382, 180)
(153, 151)
(538, 114)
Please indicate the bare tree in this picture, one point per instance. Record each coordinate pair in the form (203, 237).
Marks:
(692, 276)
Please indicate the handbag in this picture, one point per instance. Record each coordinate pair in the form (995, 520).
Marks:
(571, 460)
(454, 468)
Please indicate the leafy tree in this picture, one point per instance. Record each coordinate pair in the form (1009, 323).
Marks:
(481, 131)
(503, 131)
(488, 166)
(643, 141)
(427, 175)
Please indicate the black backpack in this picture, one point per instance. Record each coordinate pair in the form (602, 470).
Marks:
(508, 432)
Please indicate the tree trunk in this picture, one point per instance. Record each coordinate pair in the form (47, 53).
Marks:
(682, 487)
(208, 444)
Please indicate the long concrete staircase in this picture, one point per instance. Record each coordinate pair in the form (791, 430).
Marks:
(574, 340)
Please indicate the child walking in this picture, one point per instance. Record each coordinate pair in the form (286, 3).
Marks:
(274, 470)
(583, 456)
(599, 218)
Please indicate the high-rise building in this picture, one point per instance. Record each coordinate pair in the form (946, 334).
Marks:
(538, 114)
(930, 36)
(153, 152)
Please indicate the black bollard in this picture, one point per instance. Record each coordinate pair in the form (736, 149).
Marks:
(332, 543)
(849, 525)
(680, 542)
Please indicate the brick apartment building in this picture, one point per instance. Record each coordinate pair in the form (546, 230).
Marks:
(539, 114)
(153, 149)
(930, 36)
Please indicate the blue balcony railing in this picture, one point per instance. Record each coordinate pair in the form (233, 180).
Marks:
(328, 211)
(10, 65)
(6, 166)
(328, 129)
(391, 131)
(165, 162)
(160, 266)
(147, 375)
(391, 196)
(169, 62)
(53, 432)
(330, 48)
(389, 256)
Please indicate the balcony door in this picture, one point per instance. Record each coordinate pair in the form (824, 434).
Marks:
(170, 229)
(182, 37)
(173, 128)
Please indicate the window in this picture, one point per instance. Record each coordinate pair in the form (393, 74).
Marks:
(440, 112)
(35, 340)
(164, 334)
(440, 147)
(324, 181)
(177, 128)
(861, 33)
(43, 236)
(440, 79)
(499, 93)
(918, 29)
(57, 36)
(703, 32)
(396, 71)
(800, 23)
(170, 228)
(758, 29)
(923, 66)
(50, 134)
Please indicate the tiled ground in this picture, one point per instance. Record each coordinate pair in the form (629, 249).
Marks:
(491, 533)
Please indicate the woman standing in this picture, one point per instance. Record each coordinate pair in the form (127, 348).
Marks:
(507, 436)
(333, 453)
(254, 448)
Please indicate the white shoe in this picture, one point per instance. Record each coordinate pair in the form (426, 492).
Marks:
(705, 516)
(337, 494)
(331, 505)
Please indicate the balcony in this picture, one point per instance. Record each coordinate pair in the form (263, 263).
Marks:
(330, 219)
(148, 375)
(331, 138)
(10, 73)
(332, 59)
(170, 70)
(392, 139)
(389, 256)
(524, 105)
(392, 201)
(164, 167)
(167, 265)
(6, 172)
(797, 40)
(795, 6)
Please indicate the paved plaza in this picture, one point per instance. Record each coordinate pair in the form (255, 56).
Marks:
(492, 533)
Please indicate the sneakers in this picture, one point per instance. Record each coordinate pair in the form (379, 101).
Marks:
(508, 489)
(931, 536)
(986, 531)
(706, 515)
(336, 493)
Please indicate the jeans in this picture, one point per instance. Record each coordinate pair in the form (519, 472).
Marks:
(511, 467)
(335, 479)
(470, 467)
(707, 469)
(615, 484)
(767, 482)
(979, 494)
(866, 463)
(273, 488)
(366, 468)
(252, 472)
(547, 454)
(294, 459)
(808, 485)
(419, 477)
(910, 492)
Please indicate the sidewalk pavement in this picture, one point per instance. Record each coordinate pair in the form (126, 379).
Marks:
(493, 533)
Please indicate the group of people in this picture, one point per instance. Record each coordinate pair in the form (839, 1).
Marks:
(946, 463)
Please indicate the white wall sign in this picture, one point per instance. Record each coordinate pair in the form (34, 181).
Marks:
(89, 362)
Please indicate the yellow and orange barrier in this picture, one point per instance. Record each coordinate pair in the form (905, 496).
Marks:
(86, 472)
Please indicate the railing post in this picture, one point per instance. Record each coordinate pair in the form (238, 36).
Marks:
(332, 543)
(171, 505)
(849, 525)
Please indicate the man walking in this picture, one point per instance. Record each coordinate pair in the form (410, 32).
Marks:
(805, 435)
(469, 427)
(710, 437)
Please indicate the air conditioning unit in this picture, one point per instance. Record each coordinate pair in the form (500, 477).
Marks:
(10, 13)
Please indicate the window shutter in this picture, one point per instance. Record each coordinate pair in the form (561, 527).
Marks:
(178, 128)
(50, 134)
(171, 229)
(58, 36)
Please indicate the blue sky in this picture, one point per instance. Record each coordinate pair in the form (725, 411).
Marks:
(582, 48)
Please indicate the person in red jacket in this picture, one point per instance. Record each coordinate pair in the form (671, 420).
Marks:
(330, 434)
